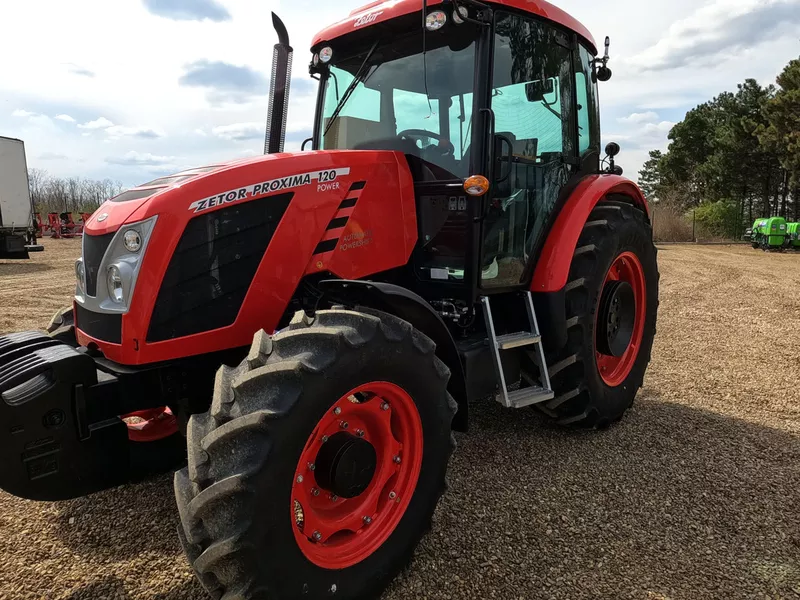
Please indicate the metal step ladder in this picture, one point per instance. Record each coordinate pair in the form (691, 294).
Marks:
(537, 392)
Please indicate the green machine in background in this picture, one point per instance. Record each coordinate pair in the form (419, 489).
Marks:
(769, 234)
(793, 235)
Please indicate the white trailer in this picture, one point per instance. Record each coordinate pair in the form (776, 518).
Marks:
(17, 226)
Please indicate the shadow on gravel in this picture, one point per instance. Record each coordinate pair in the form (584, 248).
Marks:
(107, 587)
(671, 503)
(121, 523)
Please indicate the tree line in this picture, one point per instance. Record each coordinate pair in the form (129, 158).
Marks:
(733, 159)
(69, 194)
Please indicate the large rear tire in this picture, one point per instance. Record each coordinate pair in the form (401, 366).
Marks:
(595, 380)
(267, 512)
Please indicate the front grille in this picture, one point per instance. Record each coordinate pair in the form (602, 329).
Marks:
(101, 326)
(212, 267)
(94, 248)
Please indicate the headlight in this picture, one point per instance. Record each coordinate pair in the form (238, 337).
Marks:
(132, 240)
(80, 274)
(114, 282)
(435, 20)
(326, 54)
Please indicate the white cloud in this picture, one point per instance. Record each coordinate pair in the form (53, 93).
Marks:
(718, 30)
(140, 159)
(22, 113)
(66, 118)
(639, 117)
(119, 131)
(99, 123)
(239, 131)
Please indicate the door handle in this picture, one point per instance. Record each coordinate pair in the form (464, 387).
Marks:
(509, 157)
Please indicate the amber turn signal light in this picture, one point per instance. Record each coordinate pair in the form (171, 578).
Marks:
(476, 185)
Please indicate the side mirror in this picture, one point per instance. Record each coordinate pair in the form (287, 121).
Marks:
(535, 91)
(612, 149)
(603, 74)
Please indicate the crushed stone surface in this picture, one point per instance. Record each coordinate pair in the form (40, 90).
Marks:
(694, 495)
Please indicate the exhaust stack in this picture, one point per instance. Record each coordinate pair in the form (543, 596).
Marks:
(278, 90)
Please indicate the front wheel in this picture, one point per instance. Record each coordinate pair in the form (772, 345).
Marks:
(611, 306)
(317, 470)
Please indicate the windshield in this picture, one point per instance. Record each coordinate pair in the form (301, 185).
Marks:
(421, 106)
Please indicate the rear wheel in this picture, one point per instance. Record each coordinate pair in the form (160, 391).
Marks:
(318, 468)
(611, 306)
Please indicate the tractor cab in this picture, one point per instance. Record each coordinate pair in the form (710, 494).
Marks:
(503, 99)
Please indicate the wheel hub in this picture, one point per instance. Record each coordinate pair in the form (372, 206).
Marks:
(616, 318)
(345, 465)
(620, 319)
(356, 475)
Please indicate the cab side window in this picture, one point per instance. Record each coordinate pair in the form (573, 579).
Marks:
(588, 105)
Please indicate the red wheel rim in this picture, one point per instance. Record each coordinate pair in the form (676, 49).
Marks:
(150, 425)
(615, 369)
(334, 532)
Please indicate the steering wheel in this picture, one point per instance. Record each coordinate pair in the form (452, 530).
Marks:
(445, 146)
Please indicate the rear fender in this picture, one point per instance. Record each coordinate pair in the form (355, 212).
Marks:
(409, 306)
(555, 259)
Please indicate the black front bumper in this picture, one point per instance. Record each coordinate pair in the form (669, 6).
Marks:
(61, 435)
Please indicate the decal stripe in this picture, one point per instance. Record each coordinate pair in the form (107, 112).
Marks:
(337, 222)
(340, 218)
(346, 212)
(326, 246)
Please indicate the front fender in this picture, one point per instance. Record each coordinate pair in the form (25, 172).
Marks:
(409, 306)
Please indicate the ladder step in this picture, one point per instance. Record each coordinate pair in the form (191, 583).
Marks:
(516, 340)
(529, 396)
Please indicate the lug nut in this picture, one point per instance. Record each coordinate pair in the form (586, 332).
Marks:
(392, 495)
(334, 497)
(337, 410)
(344, 425)
(315, 492)
(385, 406)
(311, 466)
(324, 438)
(317, 536)
(360, 432)
(367, 520)
(299, 479)
(397, 460)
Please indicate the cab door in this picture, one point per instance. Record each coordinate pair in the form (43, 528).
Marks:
(532, 99)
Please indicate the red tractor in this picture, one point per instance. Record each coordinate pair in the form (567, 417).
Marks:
(313, 325)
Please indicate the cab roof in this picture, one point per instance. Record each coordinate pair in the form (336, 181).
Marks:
(384, 10)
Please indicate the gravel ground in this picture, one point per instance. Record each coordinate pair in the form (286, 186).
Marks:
(696, 494)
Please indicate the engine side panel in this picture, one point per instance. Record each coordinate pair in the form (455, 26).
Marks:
(351, 213)
(552, 268)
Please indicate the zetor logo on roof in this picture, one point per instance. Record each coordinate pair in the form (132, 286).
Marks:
(367, 19)
(324, 179)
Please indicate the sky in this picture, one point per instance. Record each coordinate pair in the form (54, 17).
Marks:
(134, 89)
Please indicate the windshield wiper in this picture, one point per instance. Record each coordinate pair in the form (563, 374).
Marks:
(360, 73)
